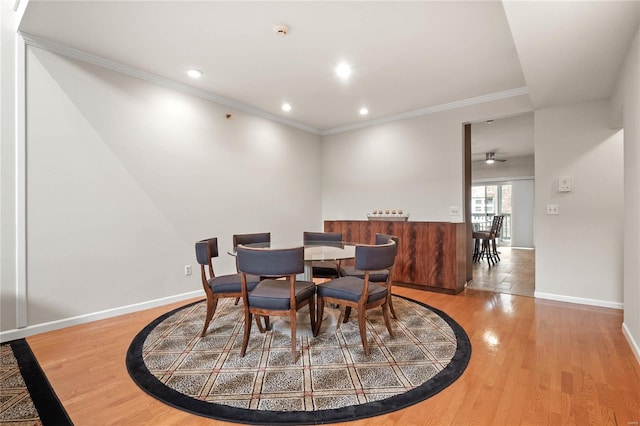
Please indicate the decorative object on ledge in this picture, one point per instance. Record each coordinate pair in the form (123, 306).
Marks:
(390, 215)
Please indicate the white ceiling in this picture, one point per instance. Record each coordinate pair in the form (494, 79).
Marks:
(507, 137)
(406, 56)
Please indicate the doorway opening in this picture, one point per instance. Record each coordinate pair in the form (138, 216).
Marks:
(501, 182)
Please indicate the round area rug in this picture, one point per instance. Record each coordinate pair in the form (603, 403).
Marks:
(332, 380)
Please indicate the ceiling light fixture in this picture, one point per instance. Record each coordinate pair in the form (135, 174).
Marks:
(491, 158)
(194, 73)
(489, 121)
(364, 111)
(286, 107)
(343, 70)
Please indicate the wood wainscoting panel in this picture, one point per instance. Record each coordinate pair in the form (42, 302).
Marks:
(431, 255)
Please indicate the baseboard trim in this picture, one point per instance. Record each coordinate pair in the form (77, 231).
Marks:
(635, 348)
(578, 300)
(20, 333)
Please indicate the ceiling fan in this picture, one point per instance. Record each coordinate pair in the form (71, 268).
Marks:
(491, 158)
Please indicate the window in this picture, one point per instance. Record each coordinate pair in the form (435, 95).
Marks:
(489, 200)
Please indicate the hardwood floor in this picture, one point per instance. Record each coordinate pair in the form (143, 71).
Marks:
(533, 362)
(514, 274)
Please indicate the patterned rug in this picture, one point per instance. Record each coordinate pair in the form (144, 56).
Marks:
(25, 393)
(331, 381)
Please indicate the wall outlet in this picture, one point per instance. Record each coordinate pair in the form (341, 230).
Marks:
(553, 209)
(187, 269)
(454, 211)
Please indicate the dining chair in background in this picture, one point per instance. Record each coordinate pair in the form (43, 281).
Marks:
(328, 268)
(360, 293)
(380, 276)
(484, 242)
(217, 287)
(271, 297)
(260, 237)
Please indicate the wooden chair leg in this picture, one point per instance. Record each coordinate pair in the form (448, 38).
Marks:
(248, 317)
(319, 315)
(347, 312)
(294, 337)
(312, 313)
(390, 303)
(385, 314)
(495, 249)
(211, 309)
(363, 330)
(476, 250)
(262, 328)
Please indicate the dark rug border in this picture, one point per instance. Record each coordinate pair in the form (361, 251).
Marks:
(45, 400)
(154, 387)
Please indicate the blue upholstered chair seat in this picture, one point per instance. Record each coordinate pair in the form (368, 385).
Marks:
(274, 294)
(232, 283)
(374, 276)
(350, 288)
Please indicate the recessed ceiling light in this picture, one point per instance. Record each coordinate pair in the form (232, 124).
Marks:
(364, 111)
(281, 30)
(194, 73)
(489, 121)
(343, 70)
(286, 107)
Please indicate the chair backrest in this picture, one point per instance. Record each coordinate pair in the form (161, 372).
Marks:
(270, 262)
(262, 237)
(206, 249)
(335, 237)
(500, 225)
(496, 225)
(375, 257)
(384, 239)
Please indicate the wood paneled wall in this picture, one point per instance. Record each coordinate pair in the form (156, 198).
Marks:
(431, 255)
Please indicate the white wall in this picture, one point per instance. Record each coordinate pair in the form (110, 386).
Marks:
(124, 176)
(8, 26)
(414, 164)
(579, 252)
(522, 208)
(626, 111)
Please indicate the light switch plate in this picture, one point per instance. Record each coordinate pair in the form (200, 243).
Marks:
(565, 184)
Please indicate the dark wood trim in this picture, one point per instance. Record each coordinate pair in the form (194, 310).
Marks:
(467, 201)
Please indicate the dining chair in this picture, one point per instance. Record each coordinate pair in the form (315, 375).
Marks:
(260, 237)
(485, 242)
(217, 287)
(255, 238)
(281, 297)
(381, 276)
(324, 268)
(360, 293)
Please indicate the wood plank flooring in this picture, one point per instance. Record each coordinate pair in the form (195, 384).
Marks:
(513, 274)
(533, 362)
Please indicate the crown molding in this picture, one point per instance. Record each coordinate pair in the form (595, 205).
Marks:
(431, 110)
(82, 55)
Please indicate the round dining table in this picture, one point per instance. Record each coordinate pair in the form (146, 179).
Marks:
(314, 251)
